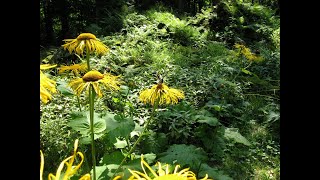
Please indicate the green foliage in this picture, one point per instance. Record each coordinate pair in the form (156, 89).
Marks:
(233, 134)
(112, 158)
(80, 122)
(118, 126)
(155, 142)
(184, 155)
(63, 88)
(213, 141)
(212, 172)
(231, 112)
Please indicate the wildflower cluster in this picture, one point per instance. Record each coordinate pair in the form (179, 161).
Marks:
(246, 52)
(94, 81)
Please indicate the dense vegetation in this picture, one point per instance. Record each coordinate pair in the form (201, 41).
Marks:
(225, 57)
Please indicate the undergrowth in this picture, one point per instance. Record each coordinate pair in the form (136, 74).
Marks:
(231, 110)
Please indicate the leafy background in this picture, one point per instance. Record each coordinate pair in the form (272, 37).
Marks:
(231, 113)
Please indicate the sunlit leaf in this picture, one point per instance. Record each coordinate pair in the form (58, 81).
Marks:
(120, 144)
(184, 155)
(80, 122)
(233, 134)
(64, 89)
(213, 173)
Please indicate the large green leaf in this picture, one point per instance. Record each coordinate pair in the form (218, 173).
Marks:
(182, 154)
(119, 126)
(105, 172)
(149, 158)
(212, 139)
(272, 117)
(80, 122)
(64, 89)
(212, 121)
(134, 164)
(112, 158)
(213, 173)
(233, 134)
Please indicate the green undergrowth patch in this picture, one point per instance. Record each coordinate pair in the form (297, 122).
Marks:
(229, 120)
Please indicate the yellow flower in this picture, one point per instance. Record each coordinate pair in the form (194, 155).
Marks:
(162, 92)
(76, 68)
(247, 53)
(47, 86)
(162, 174)
(93, 78)
(70, 171)
(85, 40)
(117, 177)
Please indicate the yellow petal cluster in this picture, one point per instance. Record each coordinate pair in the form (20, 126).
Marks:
(85, 41)
(47, 85)
(163, 173)
(161, 92)
(247, 52)
(75, 68)
(70, 168)
(96, 79)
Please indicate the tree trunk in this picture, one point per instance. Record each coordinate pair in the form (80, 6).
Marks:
(63, 12)
(182, 5)
(48, 15)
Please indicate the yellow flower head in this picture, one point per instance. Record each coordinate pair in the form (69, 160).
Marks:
(163, 173)
(247, 53)
(47, 86)
(162, 92)
(95, 78)
(76, 68)
(85, 40)
(70, 171)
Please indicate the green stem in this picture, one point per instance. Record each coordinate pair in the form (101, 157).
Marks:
(88, 58)
(79, 103)
(75, 75)
(91, 106)
(140, 137)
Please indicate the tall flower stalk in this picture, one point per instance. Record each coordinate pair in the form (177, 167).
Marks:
(91, 80)
(158, 94)
(90, 83)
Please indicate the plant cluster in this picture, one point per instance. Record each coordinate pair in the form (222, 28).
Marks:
(164, 90)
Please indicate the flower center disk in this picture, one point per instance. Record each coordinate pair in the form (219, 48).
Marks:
(86, 36)
(92, 76)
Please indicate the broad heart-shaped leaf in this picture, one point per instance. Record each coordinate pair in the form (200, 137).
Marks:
(213, 173)
(149, 158)
(80, 122)
(120, 144)
(109, 169)
(232, 133)
(119, 126)
(213, 139)
(184, 155)
(272, 116)
(105, 172)
(212, 121)
(133, 165)
(64, 89)
(113, 158)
